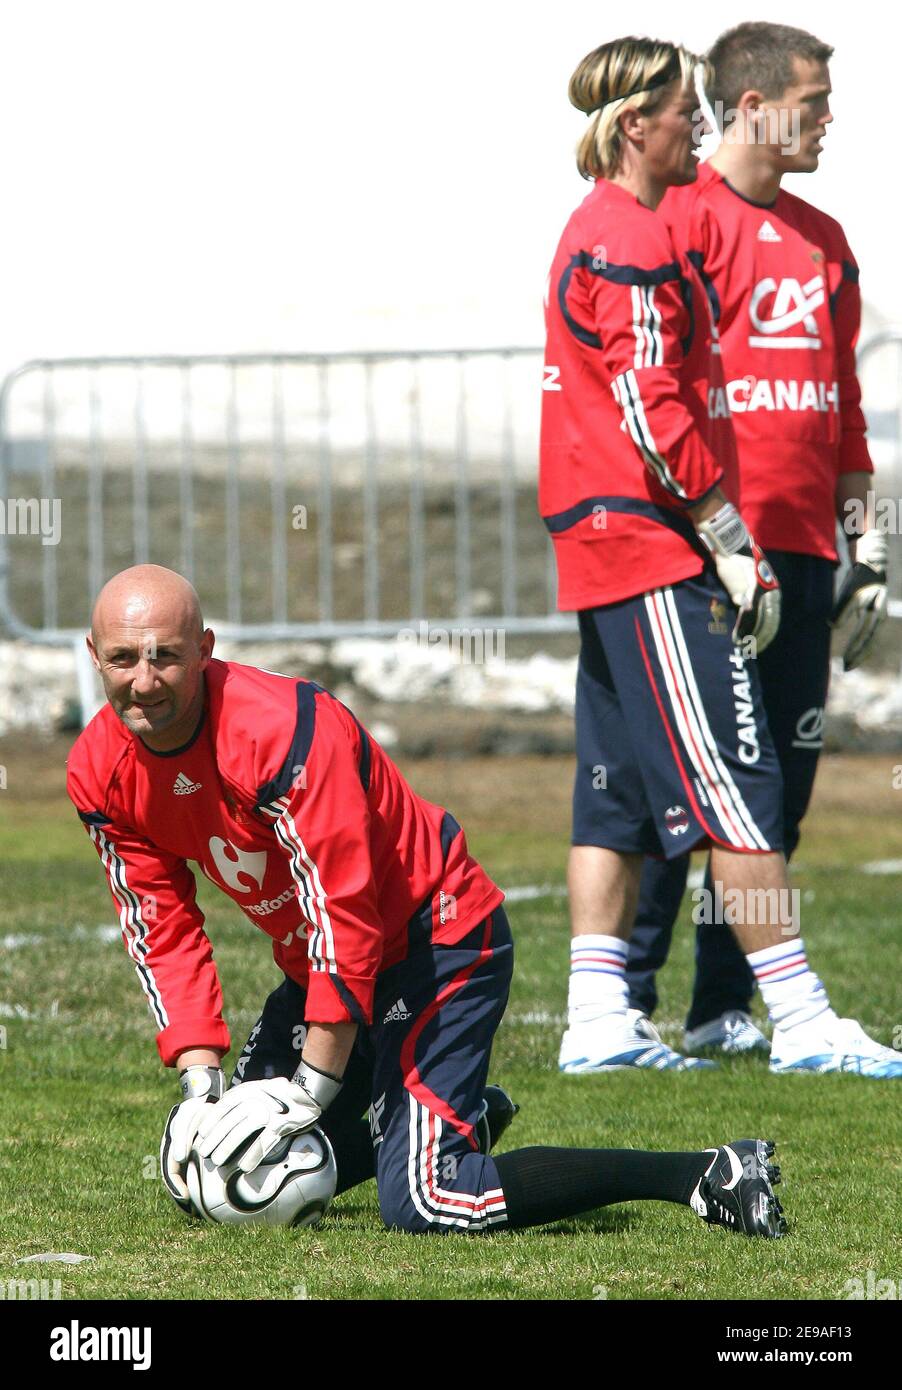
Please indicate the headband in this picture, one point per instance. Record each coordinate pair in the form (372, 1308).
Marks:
(661, 80)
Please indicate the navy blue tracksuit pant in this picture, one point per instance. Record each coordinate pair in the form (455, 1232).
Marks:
(419, 1072)
(794, 672)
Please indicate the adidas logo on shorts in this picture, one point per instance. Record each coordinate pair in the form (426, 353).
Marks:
(397, 1013)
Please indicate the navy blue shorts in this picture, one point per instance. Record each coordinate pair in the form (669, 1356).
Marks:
(419, 1071)
(672, 745)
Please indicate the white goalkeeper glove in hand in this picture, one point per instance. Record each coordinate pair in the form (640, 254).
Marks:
(264, 1112)
(862, 596)
(745, 573)
(201, 1086)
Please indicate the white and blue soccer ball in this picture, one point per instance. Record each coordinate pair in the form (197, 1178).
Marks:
(293, 1186)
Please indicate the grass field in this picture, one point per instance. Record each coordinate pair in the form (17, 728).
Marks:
(84, 1098)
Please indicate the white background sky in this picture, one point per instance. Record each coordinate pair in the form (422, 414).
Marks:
(197, 176)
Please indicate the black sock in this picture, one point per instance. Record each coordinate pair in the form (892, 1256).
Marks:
(544, 1184)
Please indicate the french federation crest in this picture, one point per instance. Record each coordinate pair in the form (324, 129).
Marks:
(718, 625)
(676, 820)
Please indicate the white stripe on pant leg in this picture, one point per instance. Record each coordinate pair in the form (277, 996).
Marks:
(699, 719)
(454, 1204)
(413, 1160)
(431, 1209)
(691, 744)
(729, 798)
(482, 1203)
(466, 1210)
(691, 740)
(426, 1158)
(737, 798)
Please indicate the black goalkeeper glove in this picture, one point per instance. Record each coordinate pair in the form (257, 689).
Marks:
(862, 596)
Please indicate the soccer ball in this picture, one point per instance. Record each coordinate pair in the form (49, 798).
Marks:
(293, 1186)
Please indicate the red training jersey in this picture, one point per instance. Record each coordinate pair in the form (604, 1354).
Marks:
(635, 422)
(784, 291)
(291, 808)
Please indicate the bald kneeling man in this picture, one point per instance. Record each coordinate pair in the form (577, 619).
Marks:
(393, 943)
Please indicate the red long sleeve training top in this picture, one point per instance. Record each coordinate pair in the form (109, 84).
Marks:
(783, 285)
(635, 421)
(290, 807)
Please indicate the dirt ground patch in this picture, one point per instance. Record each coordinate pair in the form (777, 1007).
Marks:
(529, 794)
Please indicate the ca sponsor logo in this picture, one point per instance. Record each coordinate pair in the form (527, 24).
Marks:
(718, 403)
(775, 308)
(748, 394)
(231, 861)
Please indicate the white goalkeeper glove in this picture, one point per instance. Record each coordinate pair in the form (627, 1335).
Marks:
(263, 1112)
(862, 596)
(201, 1086)
(745, 573)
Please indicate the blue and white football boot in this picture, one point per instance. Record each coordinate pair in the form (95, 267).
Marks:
(736, 1190)
(609, 1044)
(733, 1034)
(839, 1044)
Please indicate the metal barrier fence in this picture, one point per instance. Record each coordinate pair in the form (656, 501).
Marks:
(885, 422)
(305, 495)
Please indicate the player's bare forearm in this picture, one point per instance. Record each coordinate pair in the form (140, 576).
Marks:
(852, 488)
(199, 1057)
(711, 504)
(329, 1046)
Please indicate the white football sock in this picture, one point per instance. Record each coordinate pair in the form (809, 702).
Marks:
(789, 987)
(597, 984)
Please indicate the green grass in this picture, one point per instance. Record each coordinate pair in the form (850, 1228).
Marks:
(84, 1098)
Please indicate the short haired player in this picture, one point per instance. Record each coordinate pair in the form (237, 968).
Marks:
(393, 943)
(783, 287)
(639, 490)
